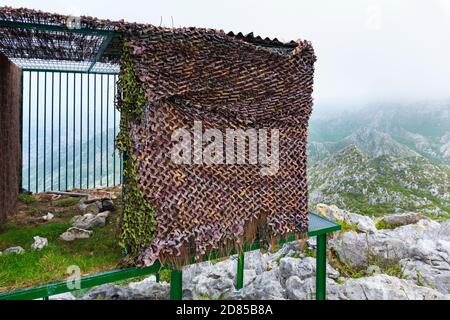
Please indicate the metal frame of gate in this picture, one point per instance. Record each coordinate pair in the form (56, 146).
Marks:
(71, 143)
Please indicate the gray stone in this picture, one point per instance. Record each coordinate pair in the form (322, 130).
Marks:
(63, 296)
(266, 286)
(49, 216)
(16, 250)
(109, 292)
(304, 289)
(302, 268)
(362, 223)
(150, 289)
(90, 221)
(92, 208)
(39, 243)
(75, 233)
(359, 250)
(429, 264)
(107, 205)
(398, 220)
(382, 287)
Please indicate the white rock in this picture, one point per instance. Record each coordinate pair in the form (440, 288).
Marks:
(362, 223)
(402, 219)
(16, 250)
(150, 289)
(382, 287)
(304, 289)
(63, 296)
(75, 233)
(49, 216)
(358, 249)
(266, 286)
(302, 268)
(39, 243)
(90, 221)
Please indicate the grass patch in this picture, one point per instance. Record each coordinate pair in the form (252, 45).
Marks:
(164, 275)
(391, 268)
(345, 226)
(384, 225)
(98, 253)
(67, 202)
(26, 198)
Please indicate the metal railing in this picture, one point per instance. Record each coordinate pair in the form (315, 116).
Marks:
(69, 124)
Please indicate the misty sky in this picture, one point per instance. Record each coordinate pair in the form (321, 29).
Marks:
(368, 50)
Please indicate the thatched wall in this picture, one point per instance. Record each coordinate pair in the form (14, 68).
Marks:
(172, 78)
(10, 158)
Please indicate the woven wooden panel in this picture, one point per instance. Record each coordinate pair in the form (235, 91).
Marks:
(204, 75)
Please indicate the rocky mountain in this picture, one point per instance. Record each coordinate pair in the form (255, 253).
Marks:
(382, 160)
(400, 130)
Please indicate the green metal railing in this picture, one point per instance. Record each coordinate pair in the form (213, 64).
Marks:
(69, 123)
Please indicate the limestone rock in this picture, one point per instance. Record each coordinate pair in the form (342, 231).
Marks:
(39, 243)
(90, 221)
(75, 233)
(362, 223)
(397, 220)
(16, 250)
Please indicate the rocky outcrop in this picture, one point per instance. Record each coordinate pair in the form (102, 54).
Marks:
(421, 248)
(39, 243)
(75, 233)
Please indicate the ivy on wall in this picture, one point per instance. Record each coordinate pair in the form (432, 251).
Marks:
(138, 218)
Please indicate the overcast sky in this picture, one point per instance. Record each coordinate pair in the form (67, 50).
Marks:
(368, 50)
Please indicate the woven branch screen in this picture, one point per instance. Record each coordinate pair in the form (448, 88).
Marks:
(209, 81)
(177, 78)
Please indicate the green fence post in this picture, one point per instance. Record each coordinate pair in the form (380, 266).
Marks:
(176, 285)
(240, 271)
(158, 277)
(321, 267)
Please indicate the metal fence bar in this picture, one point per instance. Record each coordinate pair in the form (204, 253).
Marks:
(37, 131)
(53, 122)
(67, 131)
(107, 129)
(95, 128)
(59, 134)
(101, 129)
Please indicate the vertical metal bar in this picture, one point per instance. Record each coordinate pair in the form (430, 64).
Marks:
(81, 130)
(53, 122)
(59, 134)
(101, 130)
(176, 285)
(67, 132)
(87, 134)
(73, 138)
(95, 128)
(37, 133)
(29, 132)
(321, 267)
(115, 128)
(240, 271)
(107, 130)
(21, 132)
(45, 126)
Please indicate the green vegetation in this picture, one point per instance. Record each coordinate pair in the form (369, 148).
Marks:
(26, 198)
(384, 225)
(391, 268)
(138, 220)
(98, 253)
(67, 202)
